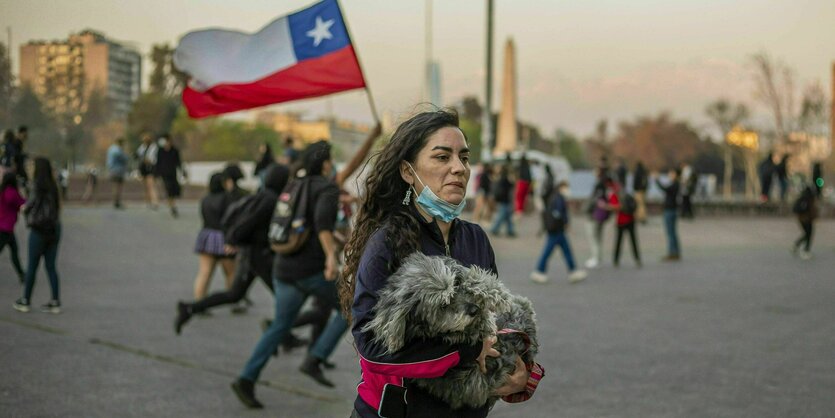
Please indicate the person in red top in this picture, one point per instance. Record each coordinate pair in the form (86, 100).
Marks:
(10, 203)
(624, 206)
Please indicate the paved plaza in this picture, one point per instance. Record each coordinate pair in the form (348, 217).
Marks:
(739, 328)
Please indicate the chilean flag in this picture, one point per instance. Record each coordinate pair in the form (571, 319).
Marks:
(302, 55)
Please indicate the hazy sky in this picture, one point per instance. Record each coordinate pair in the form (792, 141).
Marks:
(578, 61)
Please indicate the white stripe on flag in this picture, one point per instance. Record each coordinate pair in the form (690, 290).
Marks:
(220, 56)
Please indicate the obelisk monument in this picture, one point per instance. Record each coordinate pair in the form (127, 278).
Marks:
(506, 133)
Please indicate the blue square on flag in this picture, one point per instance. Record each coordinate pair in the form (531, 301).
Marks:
(318, 30)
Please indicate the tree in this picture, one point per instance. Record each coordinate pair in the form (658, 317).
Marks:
(570, 148)
(6, 86)
(814, 112)
(471, 109)
(775, 89)
(45, 137)
(165, 78)
(658, 142)
(152, 112)
(726, 116)
(597, 146)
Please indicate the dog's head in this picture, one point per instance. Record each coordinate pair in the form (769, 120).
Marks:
(437, 296)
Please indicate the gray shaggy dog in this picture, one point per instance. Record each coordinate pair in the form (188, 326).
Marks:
(430, 297)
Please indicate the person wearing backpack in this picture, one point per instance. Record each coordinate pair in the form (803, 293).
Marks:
(555, 223)
(624, 205)
(210, 246)
(309, 271)
(10, 203)
(43, 218)
(245, 234)
(806, 211)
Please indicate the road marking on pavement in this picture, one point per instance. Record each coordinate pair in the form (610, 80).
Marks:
(172, 360)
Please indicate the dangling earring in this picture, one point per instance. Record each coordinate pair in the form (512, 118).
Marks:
(408, 197)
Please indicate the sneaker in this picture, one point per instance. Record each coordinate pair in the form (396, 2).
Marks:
(591, 263)
(539, 277)
(245, 389)
(310, 367)
(53, 307)
(577, 276)
(21, 305)
(805, 255)
(183, 315)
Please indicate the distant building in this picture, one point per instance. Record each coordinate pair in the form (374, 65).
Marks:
(65, 72)
(345, 136)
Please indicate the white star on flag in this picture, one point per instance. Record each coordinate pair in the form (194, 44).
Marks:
(321, 31)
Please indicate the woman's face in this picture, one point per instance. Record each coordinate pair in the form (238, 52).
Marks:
(443, 165)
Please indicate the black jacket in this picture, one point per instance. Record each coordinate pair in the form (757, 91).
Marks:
(168, 162)
(470, 246)
(212, 208)
(670, 194)
(321, 215)
(255, 227)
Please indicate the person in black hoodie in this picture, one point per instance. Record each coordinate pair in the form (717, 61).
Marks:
(167, 166)
(249, 240)
(671, 191)
(310, 271)
(210, 246)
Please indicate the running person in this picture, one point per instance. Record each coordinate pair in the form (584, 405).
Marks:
(10, 203)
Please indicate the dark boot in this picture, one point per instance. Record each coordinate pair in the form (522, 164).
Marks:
(245, 389)
(183, 315)
(291, 342)
(310, 367)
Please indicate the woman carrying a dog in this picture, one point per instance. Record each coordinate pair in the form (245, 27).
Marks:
(414, 195)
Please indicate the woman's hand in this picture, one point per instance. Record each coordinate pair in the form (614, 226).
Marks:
(516, 381)
(487, 350)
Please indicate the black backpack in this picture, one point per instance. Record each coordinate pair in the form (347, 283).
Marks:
(42, 215)
(290, 229)
(234, 216)
(629, 205)
(801, 205)
(552, 219)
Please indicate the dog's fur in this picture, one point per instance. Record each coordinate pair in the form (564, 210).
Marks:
(431, 297)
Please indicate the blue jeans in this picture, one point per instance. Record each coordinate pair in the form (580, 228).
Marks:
(41, 245)
(289, 299)
(670, 218)
(503, 216)
(552, 241)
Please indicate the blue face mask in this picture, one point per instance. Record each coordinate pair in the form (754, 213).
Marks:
(435, 206)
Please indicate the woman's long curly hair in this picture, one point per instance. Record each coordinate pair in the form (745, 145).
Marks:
(383, 202)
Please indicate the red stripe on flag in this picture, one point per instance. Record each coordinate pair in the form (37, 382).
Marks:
(332, 73)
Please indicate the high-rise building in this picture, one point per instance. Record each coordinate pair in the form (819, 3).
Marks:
(65, 72)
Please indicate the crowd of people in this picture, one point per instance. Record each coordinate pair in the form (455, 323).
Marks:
(300, 226)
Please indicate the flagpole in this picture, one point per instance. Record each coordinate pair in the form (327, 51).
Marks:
(371, 103)
(359, 63)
